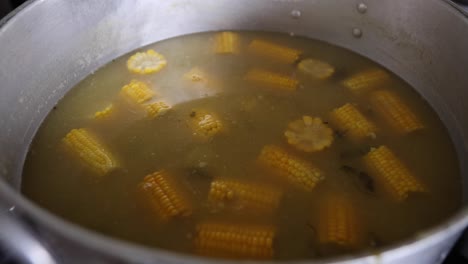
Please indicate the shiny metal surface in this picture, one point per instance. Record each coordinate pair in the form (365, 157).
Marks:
(49, 46)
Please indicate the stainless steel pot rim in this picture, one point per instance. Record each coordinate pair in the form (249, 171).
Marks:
(131, 251)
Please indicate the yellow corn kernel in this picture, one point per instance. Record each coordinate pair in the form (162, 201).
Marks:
(90, 151)
(137, 92)
(271, 79)
(315, 68)
(235, 240)
(273, 51)
(366, 80)
(146, 62)
(226, 42)
(339, 223)
(395, 112)
(309, 134)
(105, 113)
(156, 109)
(165, 196)
(391, 174)
(352, 122)
(242, 195)
(205, 124)
(295, 170)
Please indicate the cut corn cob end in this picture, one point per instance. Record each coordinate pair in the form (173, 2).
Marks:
(274, 51)
(395, 112)
(137, 92)
(165, 196)
(235, 240)
(90, 151)
(315, 68)
(366, 80)
(339, 223)
(146, 62)
(241, 195)
(157, 109)
(394, 177)
(352, 122)
(272, 79)
(105, 113)
(309, 134)
(227, 43)
(206, 124)
(295, 170)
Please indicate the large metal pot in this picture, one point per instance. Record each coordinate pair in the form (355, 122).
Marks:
(48, 46)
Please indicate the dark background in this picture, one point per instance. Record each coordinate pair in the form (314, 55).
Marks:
(7, 5)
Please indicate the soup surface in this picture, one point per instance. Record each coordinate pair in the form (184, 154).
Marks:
(245, 145)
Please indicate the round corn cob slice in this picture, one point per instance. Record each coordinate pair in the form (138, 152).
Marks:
(315, 68)
(294, 170)
(165, 196)
(367, 80)
(146, 62)
(309, 134)
(235, 240)
(137, 92)
(350, 121)
(205, 125)
(273, 51)
(84, 145)
(157, 109)
(227, 43)
(395, 112)
(241, 195)
(272, 79)
(391, 174)
(105, 113)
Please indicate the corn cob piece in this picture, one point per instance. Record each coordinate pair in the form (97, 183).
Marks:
(197, 75)
(242, 195)
(309, 134)
(339, 223)
(164, 196)
(296, 171)
(146, 62)
(395, 112)
(90, 151)
(365, 81)
(315, 68)
(105, 113)
(235, 240)
(352, 122)
(226, 43)
(390, 173)
(274, 51)
(157, 109)
(206, 124)
(271, 79)
(137, 92)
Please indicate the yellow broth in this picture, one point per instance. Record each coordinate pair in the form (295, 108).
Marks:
(253, 116)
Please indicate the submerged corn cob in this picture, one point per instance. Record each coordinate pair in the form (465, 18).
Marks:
(105, 113)
(235, 240)
(242, 195)
(273, 51)
(366, 80)
(339, 223)
(394, 177)
(309, 134)
(90, 151)
(156, 109)
(206, 124)
(137, 92)
(164, 195)
(272, 79)
(226, 42)
(352, 122)
(296, 171)
(395, 112)
(146, 62)
(197, 75)
(315, 68)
